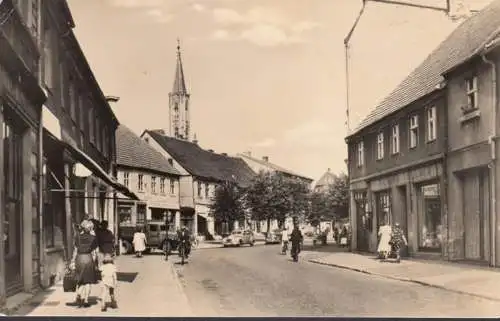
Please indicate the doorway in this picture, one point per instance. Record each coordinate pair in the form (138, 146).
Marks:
(403, 215)
(476, 214)
(12, 217)
(364, 222)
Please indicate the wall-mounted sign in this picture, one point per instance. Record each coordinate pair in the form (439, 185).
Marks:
(81, 171)
(430, 190)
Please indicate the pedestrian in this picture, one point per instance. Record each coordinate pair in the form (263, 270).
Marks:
(83, 262)
(105, 241)
(109, 282)
(284, 240)
(296, 238)
(139, 242)
(398, 239)
(384, 233)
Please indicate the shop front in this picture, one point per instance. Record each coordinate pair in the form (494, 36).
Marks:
(430, 228)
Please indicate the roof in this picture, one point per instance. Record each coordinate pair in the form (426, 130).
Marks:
(179, 81)
(132, 151)
(326, 179)
(203, 163)
(274, 166)
(459, 46)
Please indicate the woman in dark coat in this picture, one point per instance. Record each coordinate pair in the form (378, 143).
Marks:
(84, 263)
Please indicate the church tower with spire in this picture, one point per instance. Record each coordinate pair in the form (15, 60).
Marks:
(179, 103)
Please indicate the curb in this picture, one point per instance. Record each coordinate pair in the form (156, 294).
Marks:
(403, 279)
(180, 288)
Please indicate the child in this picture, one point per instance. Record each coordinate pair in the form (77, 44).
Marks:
(109, 281)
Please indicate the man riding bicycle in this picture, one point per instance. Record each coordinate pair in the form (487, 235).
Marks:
(185, 235)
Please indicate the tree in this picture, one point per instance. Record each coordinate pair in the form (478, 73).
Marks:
(339, 195)
(273, 196)
(332, 204)
(227, 204)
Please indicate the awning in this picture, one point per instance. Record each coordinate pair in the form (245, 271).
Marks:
(99, 171)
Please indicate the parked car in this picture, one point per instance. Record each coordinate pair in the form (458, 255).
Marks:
(239, 238)
(155, 231)
(274, 237)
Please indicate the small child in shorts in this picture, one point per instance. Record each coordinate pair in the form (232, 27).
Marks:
(109, 282)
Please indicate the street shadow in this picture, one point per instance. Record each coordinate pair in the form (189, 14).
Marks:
(39, 299)
(93, 300)
(180, 263)
(128, 277)
(328, 248)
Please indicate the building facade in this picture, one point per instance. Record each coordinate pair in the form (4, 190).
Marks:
(149, 175)
(21, 100)
(326, 180)
(457, 188)
(78, 142)
(258, 165)
(201, 172)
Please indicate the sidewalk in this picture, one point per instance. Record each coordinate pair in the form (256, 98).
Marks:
(477, 281)
(147, 286)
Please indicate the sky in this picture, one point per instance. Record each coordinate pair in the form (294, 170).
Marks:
(266, 76)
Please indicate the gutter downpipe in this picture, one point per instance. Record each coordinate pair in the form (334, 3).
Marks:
(492, 166)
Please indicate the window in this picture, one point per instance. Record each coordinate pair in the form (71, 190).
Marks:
(72, 98)
(383, 201)
(172, 186)
(413, 131)
(429, 218)
(471, 88)
(91, 124)
(380, 145)
(153, 228)
(48, 58)
(431, 124)
(125, 179)
(199, 189)
(361, 154)
(140, 182)
(153, 184)
(395, 139)
(105, 143)
(207, 190)
(98, 141)
(171, 162)
(33, 18)
(162, 185)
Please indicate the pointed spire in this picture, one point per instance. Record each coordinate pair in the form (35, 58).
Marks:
(179, 82)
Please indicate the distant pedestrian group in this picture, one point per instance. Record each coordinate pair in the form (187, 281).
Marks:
(392, 240)
(93, 261)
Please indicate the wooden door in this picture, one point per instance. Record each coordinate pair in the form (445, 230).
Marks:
(472, 216)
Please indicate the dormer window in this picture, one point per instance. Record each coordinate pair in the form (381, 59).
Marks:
(361, 154)
(170, 162)
(471, 89)
(380, 146)
(413, 131)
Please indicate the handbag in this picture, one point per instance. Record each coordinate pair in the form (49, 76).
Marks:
(69, 280)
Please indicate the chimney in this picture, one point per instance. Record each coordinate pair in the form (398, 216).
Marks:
(248, 153)
(265, 158)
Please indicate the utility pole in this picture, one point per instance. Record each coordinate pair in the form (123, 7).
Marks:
(447, 9)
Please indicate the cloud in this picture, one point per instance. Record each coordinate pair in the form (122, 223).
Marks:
(220, 34)
(198, 7)
(305, 26)
(159, 16)
(267, 36)
(227, 16)
(262, 26)
(268, 142)
(136, 3)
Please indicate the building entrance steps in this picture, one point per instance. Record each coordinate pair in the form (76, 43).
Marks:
(483, 282)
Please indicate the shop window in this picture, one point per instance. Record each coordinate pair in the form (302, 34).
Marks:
(429, 218)
(125, 215)
(383, 208)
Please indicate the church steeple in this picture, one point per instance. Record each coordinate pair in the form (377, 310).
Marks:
(179, 102)
(179, 82)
